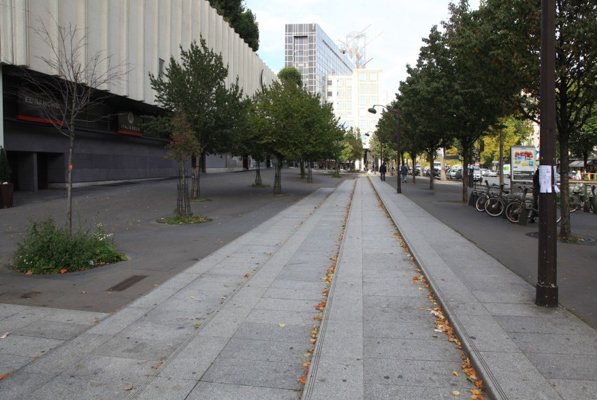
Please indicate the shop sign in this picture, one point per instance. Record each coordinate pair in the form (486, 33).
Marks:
(523, 164)
(129, 124)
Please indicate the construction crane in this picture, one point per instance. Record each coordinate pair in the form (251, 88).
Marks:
(355, 46)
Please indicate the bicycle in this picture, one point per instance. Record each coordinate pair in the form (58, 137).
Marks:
(518, 206)
(483, 196)
(496, 203)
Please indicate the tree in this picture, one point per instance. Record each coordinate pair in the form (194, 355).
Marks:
(183, 144)
(240, 19)
(291, 74)
(584, 142)
(576, 67)
(293, 125)
(352, 146)
(195, 87)
(73, 88)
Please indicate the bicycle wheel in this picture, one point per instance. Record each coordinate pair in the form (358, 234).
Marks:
(494, 206)
(480, 203)
(513, 210)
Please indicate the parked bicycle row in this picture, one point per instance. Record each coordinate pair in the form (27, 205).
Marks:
(521, 206)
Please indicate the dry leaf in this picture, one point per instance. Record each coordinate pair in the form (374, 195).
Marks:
(4, 376)
(455, 373)
(455, 393)
(29, 273)
(128, 387)
(306, 364)
(5, 335)
(302, 380)
(281, 324)
(63, 270)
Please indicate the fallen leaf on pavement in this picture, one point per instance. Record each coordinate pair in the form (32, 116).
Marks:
(455, 393)
(5, 335)
(455, 373)
(128, 387)
(4, 376)
(302, 380)
(281, 324)
(63, 270)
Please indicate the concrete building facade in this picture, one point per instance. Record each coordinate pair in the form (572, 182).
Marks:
(140, 35)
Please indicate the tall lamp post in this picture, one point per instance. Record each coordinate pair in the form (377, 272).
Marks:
(396, 114)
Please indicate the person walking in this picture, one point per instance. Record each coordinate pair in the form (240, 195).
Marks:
(382, 171)
(404, 172)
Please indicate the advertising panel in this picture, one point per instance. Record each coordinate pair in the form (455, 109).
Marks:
(523, 163)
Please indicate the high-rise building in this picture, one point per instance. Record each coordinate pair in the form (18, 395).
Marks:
(309, 49)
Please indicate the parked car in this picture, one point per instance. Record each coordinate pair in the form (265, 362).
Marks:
(491, 173)
(455, 173)
(477, 177)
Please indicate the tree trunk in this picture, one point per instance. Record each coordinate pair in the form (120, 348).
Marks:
(69, 182)
(431, 169)
(414, 157)
(302, 165)
(258, 181)
(310, 174)
(565, 226)
(465, 163)
(196, 177)
(278, 176)
(183, 201)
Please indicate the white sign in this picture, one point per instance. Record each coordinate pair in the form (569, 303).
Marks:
(545, 178)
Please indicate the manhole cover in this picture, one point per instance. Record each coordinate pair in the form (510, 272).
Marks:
(582, 240)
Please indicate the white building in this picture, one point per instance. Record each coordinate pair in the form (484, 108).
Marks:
(141, 36)
(352, 95)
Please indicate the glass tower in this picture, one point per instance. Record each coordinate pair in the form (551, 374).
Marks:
(309, 49)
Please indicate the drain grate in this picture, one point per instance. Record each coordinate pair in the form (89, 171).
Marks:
(127, 283)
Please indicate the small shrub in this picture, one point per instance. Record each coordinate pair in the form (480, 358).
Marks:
(336, 173)
(49, 249)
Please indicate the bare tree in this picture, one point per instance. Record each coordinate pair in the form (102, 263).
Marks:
(78, 82)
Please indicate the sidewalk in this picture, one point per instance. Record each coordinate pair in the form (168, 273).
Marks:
(238, 323)
(521, 350)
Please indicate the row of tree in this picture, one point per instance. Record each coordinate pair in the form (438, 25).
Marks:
(482, 68)
(204, 116)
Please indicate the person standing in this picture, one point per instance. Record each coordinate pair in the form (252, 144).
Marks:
(404, 172)
(382, 171)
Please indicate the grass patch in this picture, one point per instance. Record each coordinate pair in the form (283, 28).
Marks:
(49, 249)
(179, 220)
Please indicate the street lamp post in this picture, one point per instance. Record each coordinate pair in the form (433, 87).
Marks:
(396, 114)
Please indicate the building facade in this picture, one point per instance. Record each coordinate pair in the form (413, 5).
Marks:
(310, 50)
(352, 95)
(139, 35)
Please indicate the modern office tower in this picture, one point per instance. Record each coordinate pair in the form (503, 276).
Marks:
(309, 49)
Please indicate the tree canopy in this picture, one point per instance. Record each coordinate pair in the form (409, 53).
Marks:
(241, 19)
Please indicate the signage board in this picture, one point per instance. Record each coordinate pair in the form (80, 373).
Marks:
(522, 163)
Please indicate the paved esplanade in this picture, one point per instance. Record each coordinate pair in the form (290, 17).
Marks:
(237, 324)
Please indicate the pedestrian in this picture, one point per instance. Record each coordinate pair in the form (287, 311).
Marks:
(382, 171)
(392, 171)
(404, 172)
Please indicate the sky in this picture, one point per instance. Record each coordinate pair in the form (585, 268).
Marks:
(394, 28)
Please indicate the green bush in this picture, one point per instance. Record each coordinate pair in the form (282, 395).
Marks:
(49, 249)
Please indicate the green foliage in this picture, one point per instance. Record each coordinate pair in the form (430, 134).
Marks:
(514, 132)
(49, 249)
(196, 87)
(583, 142)
(352, 146)
(4, 166)
(291, 74)
(290, 123)
(242, 20)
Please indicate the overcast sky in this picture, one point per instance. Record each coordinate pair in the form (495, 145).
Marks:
(394, 28)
